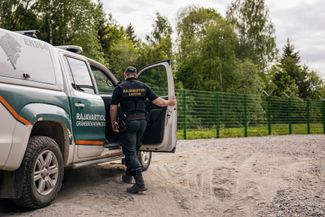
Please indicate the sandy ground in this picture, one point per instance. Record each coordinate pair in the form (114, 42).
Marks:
(262, 176)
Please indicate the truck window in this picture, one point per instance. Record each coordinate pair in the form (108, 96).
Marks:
(156, 78)
(82, 81)
(104, 84)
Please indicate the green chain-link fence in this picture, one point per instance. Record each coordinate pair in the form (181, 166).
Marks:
(203, 114)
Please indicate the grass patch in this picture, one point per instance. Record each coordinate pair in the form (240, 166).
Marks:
(277, 129)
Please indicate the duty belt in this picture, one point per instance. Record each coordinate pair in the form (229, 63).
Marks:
(136, 116)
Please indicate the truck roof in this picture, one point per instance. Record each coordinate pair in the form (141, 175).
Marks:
(21, 55)
(25, 59)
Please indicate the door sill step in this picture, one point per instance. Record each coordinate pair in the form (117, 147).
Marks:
(112, 146)
(97, 161)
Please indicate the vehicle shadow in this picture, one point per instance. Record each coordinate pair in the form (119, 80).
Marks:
(7, 207)
(76, 181)
(83, 179)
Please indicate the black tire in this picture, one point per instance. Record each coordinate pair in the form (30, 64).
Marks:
(144, 159)
(34, 197)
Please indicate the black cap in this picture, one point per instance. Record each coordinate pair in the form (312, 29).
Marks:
(131, 69)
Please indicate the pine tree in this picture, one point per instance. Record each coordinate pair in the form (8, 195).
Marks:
(290, 63)
(291, 77)
(289, 51)
(130, 33)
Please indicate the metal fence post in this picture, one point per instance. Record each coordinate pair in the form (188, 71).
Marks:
(245, 118)
(289, 115)
(308, 115)
(323, 114)
(269, 112)
(217, 120)
(184, 114)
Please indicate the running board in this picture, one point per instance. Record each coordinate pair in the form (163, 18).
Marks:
(112, 147)
(97, 161)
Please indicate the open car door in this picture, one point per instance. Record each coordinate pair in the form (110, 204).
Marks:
(160, 135)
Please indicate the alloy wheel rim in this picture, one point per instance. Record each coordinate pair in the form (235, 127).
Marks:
(145, 156)
(46, 172)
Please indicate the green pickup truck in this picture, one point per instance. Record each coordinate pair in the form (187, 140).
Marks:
(54, 113)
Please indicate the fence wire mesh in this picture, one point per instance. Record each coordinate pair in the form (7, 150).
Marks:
(203, 114)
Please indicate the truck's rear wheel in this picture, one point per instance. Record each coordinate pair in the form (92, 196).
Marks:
(42, 167)
(144, 159)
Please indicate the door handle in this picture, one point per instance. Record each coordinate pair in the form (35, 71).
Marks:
(79, 105)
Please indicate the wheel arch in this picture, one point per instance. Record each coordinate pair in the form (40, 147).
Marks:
(56, 131)
(44, 118)
(52, 121)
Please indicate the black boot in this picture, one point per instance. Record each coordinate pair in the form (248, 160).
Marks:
(139, 186)
(127, 178)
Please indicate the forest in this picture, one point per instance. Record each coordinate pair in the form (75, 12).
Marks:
(234, 53)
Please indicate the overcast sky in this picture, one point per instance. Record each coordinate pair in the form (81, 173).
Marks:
(303, 21)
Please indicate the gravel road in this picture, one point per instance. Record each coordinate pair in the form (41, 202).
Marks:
(260, 176)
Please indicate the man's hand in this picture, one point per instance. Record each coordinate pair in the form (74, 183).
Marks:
(164, 103)
(115, 127)
(113, 115)
(172, 101)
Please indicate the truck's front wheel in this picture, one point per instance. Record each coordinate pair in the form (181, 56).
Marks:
(42, 167)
